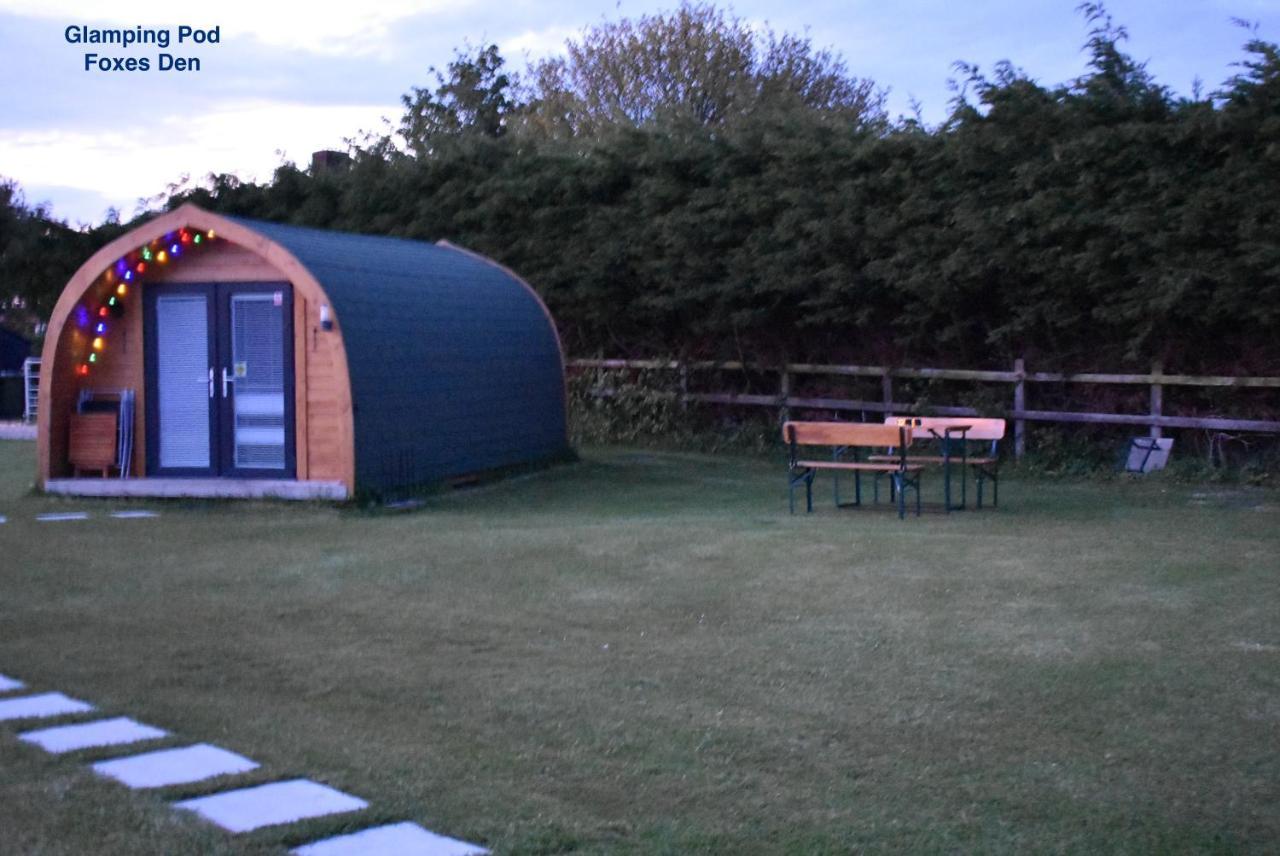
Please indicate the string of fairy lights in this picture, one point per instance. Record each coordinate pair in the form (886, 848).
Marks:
(122, 278)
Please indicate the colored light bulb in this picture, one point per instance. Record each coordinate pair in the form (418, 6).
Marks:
(98, 343)
(146, 254)
(102, 313)
(198, 238)
(185, 236)
(141, 268)
(101, 328)
(82, 370)
(162, 257)
(110, 276)
(122, 289)
(111, 301)
(174, 250)
(93, 358)
(211, 235)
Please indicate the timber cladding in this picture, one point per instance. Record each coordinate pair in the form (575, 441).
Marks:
(412, 362)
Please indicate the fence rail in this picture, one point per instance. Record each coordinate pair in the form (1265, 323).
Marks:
(1155, 419)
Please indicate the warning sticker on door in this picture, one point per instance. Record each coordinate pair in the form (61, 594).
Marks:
(242, 369)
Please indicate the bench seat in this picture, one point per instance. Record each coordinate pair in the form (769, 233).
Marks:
(864, 466)
(935, 459)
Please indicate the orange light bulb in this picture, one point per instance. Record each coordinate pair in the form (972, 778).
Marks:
(98, 343)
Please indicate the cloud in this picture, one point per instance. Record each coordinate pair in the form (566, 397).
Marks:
(353, 29)
(536, 44)
(125, 165)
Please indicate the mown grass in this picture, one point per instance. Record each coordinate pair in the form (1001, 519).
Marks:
(644, 653)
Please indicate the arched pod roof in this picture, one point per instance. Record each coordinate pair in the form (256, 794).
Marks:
(454, 363)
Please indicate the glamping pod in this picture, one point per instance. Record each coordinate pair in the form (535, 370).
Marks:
(203, 355)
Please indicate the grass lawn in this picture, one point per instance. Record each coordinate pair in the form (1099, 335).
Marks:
(644, 653)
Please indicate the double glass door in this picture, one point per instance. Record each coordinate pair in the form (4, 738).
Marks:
(220, 380)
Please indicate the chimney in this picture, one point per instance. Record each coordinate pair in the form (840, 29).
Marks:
(328, 160)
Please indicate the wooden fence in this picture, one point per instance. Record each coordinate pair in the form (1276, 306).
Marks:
(784, 401)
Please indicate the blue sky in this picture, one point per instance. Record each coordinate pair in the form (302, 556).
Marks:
(290, 77)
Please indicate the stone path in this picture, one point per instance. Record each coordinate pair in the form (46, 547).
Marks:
(105, 732)
(174, 766)
(270, 805)
(397, 839)
(43, 705)
(237, 810)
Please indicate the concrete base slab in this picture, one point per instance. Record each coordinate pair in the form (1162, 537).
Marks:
(200, 488)
(39, 706)
(174, 766)
(8, 685)
(267, 805)
(105, 732)
(17, 431)
(397, 839)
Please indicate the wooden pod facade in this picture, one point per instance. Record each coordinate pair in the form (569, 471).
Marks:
(271, 360)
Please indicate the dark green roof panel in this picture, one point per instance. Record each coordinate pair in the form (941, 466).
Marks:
(455, 366)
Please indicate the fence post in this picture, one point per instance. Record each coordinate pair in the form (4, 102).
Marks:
(1019, 404)
(784, 392)
(886, 389)
(1157, 396)
(684, 387)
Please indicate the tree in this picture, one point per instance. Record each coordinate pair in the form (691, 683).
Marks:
(474, 100)
(695, 64)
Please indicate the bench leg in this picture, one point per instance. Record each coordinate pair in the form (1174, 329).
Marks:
(808, 491)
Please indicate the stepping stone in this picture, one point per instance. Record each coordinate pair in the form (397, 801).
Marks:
(8, 684)
(45, 704)
(133, 515)
(174, 766)
(104, 732)
(397, 839)
(267, 805)
(66, 515)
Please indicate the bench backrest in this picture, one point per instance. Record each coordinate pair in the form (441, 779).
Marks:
(979, 429)
(845, 434)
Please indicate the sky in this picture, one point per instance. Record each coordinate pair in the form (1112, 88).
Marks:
(288, 78)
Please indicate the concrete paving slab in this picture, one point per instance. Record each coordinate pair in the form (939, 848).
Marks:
(42, 705)
(105, 732)
(396, 839)
(174, 766)
(268, 805)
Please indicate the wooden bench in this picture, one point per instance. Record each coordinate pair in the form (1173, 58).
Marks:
(953, 434)
(841, 438)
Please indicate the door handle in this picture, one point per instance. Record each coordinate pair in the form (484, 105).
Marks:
(226, 380)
